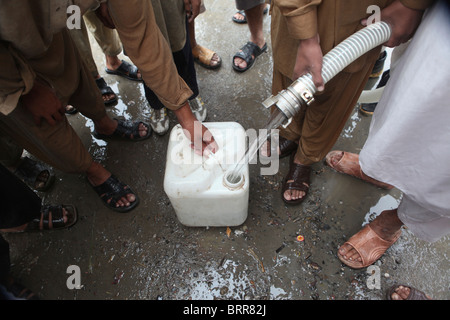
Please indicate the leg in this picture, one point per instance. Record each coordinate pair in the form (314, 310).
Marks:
(204, 56)
(81, 40)
(387, 227)
(109, 42)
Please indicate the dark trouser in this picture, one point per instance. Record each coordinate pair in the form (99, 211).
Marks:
(18, 205)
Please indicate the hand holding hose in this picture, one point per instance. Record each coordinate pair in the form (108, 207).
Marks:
(310, 60)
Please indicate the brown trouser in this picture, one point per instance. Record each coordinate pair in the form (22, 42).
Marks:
(59, 145)
(317, 127)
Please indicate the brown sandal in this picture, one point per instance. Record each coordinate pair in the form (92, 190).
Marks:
(369, 245)
(349, 164)
(414, 294)
(300, 174)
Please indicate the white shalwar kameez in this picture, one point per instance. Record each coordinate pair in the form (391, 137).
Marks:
(409, 139)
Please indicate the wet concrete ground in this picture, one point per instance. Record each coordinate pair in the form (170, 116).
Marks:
(148, 254)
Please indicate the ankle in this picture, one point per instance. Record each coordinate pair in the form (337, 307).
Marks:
(97, 174)
(113, 62)
(387, 224)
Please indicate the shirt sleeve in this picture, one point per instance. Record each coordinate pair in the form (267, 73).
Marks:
(16, 78)
(147, 48)
(301, 17)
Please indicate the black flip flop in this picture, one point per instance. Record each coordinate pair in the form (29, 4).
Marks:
(126, 70)
(246, 53)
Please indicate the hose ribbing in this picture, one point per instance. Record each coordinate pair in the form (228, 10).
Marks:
(349, 50)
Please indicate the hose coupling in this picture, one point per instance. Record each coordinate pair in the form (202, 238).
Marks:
(291, 100)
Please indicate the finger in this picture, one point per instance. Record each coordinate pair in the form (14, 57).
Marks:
(364, 22)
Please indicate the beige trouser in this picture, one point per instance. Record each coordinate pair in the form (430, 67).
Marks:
(107, 39)
(317, 127)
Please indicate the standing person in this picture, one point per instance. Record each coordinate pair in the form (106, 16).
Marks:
(172, 20)
(246, 56)
(43, 71)
(408, 144)
(135, 22)
(301, 34)
(21, 210)
(205, 57)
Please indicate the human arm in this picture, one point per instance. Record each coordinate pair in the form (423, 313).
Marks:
(147, 48)
(404, 17)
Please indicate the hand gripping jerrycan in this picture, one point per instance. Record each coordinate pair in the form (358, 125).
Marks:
(197, 186)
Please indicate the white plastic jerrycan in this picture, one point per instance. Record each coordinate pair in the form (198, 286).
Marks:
(197, 186)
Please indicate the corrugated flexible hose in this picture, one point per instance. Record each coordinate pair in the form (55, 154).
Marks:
(301, 91)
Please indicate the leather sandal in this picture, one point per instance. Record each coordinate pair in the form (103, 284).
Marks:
(414, 294)
(126, 70)
(125, 130)
(349, 164)
(106, 90)
(300, 174)
(203, 56)
(249, 52)
(52, 218)
(369, 245)
(36, 175)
